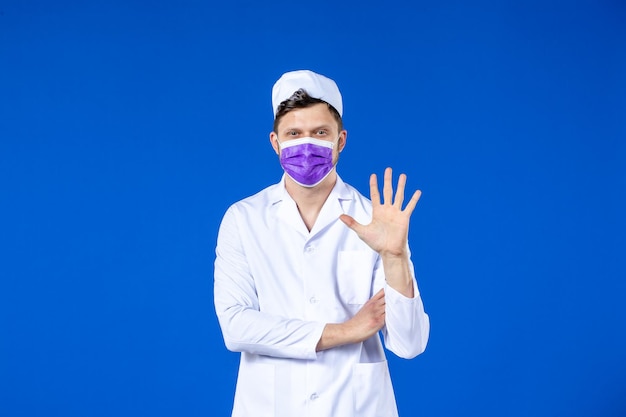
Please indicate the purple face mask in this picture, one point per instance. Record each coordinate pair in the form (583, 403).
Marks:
(307, 160)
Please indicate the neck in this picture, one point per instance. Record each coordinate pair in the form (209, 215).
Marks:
(310, 199)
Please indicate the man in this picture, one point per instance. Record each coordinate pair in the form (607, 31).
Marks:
(308, 271)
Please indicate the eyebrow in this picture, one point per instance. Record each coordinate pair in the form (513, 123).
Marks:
(321, 127)
(314, 129)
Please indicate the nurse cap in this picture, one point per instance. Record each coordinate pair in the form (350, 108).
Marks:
(316, 86)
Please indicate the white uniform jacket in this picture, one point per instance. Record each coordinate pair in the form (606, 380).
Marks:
(277, 285)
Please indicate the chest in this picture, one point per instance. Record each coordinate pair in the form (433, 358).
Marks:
(323, 276)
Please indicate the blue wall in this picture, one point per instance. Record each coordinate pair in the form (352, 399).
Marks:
(127, 128)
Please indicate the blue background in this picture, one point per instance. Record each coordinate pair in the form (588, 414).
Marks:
(127, 128)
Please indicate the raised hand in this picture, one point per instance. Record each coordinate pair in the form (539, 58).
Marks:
(388, 231)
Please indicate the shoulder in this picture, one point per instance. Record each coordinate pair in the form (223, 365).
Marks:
(256, 203)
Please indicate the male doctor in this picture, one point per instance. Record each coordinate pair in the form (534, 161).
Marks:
(308, 271)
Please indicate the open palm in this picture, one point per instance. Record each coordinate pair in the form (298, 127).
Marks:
(387, 233)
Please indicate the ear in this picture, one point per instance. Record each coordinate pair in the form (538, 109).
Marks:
(341, 143)
(274, 142)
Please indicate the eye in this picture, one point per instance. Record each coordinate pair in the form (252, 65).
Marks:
(322, 132)
(292, 133)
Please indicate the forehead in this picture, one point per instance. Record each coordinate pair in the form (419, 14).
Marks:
(318, 115)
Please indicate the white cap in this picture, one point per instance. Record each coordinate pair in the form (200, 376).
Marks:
(316, 86)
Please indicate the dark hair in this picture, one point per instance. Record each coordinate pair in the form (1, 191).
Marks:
(300, 100)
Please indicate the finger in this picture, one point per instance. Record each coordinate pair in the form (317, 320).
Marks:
(379, 299)
(374, 194)
(351, 223)
(387, 187)
(400, 192)
(378, 307)
(379, 294)
(413, 202)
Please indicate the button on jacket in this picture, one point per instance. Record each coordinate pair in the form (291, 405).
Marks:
(277, 285)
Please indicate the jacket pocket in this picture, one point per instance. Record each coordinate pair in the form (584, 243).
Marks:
(372, 390)
(355, 270)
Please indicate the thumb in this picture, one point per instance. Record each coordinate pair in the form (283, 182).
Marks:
(351, 223)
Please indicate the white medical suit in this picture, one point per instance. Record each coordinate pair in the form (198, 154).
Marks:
(277, 285)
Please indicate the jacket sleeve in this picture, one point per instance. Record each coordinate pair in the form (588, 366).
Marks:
(244, 327)
(407, 326)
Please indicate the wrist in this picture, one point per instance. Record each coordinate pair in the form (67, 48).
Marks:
(398, 274)
(335, 334)
(394, 257)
